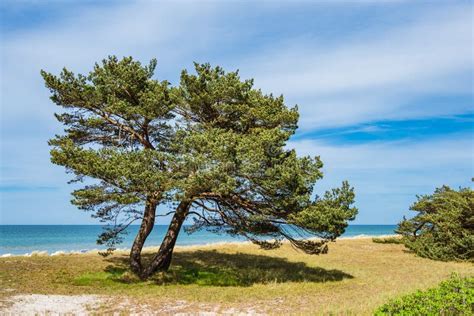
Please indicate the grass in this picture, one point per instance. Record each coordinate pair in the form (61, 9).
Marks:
(355, 277)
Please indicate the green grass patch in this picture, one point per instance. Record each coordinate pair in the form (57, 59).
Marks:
(212, 268)
(101, 278)
(92, 278)
(387, 240)
(208, 277)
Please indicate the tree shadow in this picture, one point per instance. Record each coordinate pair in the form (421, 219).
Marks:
(214, 268)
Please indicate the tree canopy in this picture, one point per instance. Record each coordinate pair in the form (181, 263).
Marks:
(212, 149)
(443, 228)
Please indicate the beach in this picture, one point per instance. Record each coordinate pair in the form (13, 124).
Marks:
(356, 276)
(59, 239)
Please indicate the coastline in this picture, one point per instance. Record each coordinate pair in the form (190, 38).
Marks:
(225, 279)
(177, 247)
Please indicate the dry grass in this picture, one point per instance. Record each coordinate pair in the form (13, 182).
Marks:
(355, 277)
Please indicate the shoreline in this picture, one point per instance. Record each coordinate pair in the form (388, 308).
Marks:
(155, 247)
(235, 279)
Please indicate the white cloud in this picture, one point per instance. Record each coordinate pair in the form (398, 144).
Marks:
(144, 30)
(369, 76)
(388, 176)
(395, 155)
(374, 76)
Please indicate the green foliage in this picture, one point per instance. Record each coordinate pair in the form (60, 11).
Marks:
(452, 297)
(213, 141)
(443, 228)
(387, 240)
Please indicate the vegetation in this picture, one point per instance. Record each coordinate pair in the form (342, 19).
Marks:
(354, 278)
(387, 240)
(212, 148)
(443, 228)
(452, 297)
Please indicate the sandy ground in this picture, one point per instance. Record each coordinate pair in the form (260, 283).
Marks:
(34, 304)
(52, 305)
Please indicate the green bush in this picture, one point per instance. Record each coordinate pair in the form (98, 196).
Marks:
(387, 240)
(443, 228)
(452, 297)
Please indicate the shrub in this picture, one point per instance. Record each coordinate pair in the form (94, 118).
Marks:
(443, 228)
(452, 297)
(387, 240)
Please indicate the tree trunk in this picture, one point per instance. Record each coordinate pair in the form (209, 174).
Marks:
(162, 260)
(146, 227)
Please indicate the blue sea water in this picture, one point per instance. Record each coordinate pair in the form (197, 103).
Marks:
(23, 239)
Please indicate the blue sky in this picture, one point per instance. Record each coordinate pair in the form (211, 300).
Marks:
(384, 88)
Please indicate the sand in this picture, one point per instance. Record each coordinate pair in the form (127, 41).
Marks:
(55, 305)
(36, 304)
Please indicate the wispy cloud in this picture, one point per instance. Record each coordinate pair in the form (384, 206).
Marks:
(398, 155)
(377, 74)
(6, 188)
(348, 71)
(79, 39)
(373, 74)
(388, 176)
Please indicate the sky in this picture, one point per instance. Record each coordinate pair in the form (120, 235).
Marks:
(384, 88)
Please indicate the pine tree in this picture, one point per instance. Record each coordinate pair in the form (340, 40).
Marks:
(443, 227)
(212, 147)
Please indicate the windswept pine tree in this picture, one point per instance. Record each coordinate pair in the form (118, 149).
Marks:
(443, 227)
(211, 149)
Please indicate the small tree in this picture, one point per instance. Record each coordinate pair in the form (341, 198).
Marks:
(443, 228)
(213, 148)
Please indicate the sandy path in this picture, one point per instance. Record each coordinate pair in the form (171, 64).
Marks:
(36, 304)
(52, 305)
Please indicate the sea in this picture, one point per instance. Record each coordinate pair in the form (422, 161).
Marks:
(26, 239)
